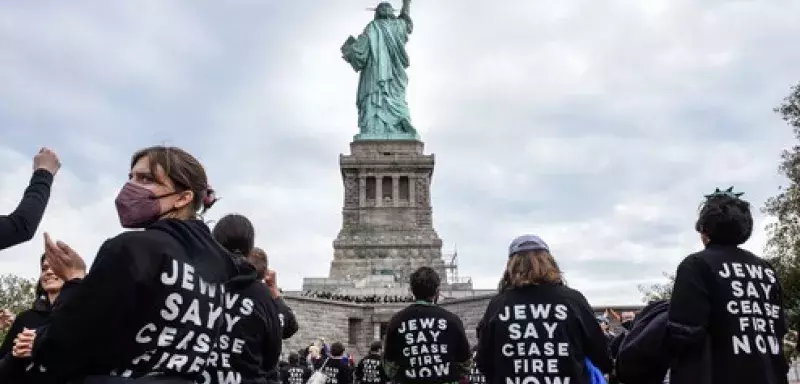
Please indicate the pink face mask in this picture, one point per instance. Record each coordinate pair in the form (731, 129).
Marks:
(137, 206)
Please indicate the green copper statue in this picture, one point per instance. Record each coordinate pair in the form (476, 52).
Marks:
(379, 54)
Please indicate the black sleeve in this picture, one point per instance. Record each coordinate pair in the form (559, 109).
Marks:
(82, 326)
(359, 372)
(273, 341)
(8, 342)
(616, 342)
(689, 308)
(483, 354)
(20, 226)
(288, 320)
(461, 342)
(284, 374)
(595, 343)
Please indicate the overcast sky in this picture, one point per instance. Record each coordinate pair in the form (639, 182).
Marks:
(597, 124)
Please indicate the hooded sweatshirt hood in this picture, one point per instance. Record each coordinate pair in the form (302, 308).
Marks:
(195, 237)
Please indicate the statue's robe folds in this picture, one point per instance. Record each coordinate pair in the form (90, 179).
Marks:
(380, 56)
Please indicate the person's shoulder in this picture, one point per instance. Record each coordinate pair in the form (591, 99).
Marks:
(139, 239)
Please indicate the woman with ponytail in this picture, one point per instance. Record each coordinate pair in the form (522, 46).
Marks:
(256, 329)
(149, 309)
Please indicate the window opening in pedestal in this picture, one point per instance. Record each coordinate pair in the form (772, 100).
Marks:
(371, 188)
(387, 187)
(404, 188)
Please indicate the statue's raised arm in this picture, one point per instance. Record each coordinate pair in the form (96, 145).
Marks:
(406, 9)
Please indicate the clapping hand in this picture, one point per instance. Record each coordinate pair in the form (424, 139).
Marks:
(23, 343)
(6, 319)
(63, 260)
(271, 279)
(47, 160)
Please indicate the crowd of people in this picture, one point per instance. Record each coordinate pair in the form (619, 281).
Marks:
(172, 301)
(359, 298)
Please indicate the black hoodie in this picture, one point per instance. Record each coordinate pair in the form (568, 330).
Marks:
(544, 332)
(152, 302)
(14, 370)
(250, 342)
(731, 299)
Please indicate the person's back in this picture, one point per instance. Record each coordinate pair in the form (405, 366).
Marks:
(369, 370)
(249, 346)
(537, 327)
(336, 367)
(726, 312)
(424, 342)
(296, 372)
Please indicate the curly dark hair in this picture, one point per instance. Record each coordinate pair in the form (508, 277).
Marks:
(425, 283)
(725, 220)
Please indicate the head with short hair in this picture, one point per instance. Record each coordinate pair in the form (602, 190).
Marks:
(724, 219)
(530, 263)
(375, 346)
(425, 284)
(175, 178)
(337, 349)
(294, 358)
(258, 258)
(235, 232)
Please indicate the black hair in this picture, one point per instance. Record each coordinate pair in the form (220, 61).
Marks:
(424, 283)
(294, 358)
(236, 233)
(337, 349)
(725, 220)
(375, 346)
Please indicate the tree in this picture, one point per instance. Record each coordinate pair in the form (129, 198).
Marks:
(783, 244)
(16, 294)
(663, 291)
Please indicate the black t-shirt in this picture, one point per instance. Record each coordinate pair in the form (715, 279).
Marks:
(152, 302)
(338, 371)
(426, 344)
(544, 332)
(370, 370)
(731, 300)
(295, 374)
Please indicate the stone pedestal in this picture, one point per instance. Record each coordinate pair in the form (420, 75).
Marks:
(387, 225)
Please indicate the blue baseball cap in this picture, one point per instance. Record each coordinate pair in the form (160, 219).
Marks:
(527, 243)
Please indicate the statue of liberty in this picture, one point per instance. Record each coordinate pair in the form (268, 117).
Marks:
(379, 55)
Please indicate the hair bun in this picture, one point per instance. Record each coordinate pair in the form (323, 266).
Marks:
(210, 199)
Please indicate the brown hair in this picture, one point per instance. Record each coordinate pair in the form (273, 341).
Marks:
(183, 169)
(258, 258)
(531, 268)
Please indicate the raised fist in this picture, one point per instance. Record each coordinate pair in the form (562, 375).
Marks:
(47, 160)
